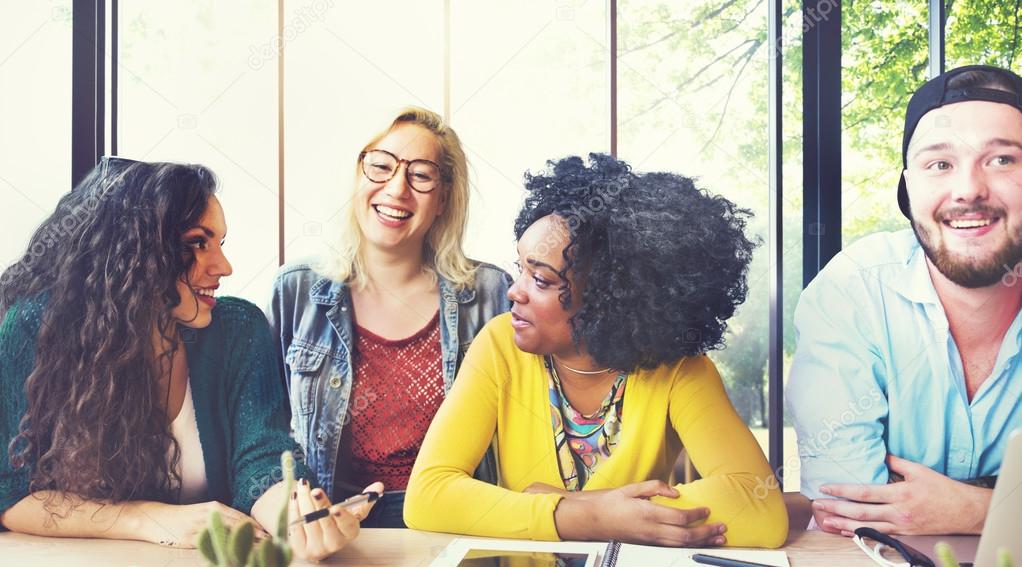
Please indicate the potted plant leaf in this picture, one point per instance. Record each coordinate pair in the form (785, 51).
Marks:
(223, 546)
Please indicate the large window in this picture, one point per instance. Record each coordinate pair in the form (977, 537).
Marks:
(693, 93)
(984, 32)
(35, 111)
(196, 85)
(348, 70)
(537, 91)
(884, 59)
(522, 83)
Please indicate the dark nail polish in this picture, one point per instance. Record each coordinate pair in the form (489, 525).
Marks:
(294, 495)
(318, 495)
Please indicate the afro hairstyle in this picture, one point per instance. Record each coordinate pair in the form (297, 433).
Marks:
(664, 262)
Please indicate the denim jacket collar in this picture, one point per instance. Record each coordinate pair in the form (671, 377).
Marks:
(326, 292)
(465, 295)
(329, 292)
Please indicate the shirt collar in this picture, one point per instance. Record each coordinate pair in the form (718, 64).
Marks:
(914, 281)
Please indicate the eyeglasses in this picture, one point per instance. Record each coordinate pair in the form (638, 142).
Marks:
(911, 556)
(380, 166)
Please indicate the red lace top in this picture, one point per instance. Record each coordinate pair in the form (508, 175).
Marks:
(398, 388)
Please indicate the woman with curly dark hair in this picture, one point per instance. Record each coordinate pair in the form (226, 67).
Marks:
(132, 400)
(597, 378)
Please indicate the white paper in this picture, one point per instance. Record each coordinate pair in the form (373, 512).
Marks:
(643, 555)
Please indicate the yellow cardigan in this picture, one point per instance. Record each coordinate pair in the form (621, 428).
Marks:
(501, 396)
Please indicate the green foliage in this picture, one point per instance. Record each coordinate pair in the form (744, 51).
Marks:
(218, 533)
(205, 545)
(225, 547)
(287, 464)
(983, 31)
(946, 557)
(239, 543)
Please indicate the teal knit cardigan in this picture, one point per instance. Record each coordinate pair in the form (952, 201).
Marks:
(241, 408)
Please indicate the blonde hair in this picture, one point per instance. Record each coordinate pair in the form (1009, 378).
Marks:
(442, 247)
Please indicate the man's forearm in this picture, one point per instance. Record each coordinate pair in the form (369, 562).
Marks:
(976, 503)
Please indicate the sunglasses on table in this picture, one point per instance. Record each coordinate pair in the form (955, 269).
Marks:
(873, 544)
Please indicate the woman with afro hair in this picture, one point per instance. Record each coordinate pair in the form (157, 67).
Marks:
(593, 383)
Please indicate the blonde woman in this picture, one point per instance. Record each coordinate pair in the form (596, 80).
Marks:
(371, 338)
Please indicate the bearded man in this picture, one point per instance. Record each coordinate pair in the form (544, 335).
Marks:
(907, 379)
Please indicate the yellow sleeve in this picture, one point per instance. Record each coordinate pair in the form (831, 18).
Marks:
(737, 484)
(442, 496)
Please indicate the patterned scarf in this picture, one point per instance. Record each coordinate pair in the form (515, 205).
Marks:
(583, 441)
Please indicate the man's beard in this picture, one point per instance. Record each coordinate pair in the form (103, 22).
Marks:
(964, 271)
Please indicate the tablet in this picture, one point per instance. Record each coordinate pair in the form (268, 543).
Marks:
(472, 552)
(508, 558)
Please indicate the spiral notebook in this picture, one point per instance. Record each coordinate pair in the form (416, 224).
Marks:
(469, 552)
(628, 555)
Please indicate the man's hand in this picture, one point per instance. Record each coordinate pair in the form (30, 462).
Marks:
(926, 502)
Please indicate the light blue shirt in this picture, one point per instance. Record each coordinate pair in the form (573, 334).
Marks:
(876, 371)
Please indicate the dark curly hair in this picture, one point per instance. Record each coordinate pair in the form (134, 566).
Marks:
(106, 261)
(664, 262)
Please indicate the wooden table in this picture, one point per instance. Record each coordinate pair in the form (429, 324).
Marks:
(373, 547)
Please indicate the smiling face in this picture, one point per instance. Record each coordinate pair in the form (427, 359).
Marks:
(391, 215)
(964, 181)
(540, 321)
(197, 287)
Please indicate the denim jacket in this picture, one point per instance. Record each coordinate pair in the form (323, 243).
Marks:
(312, 317)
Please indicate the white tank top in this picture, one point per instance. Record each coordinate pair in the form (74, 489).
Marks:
(191, 465)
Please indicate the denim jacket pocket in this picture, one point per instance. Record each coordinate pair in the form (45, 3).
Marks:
(306, 367)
